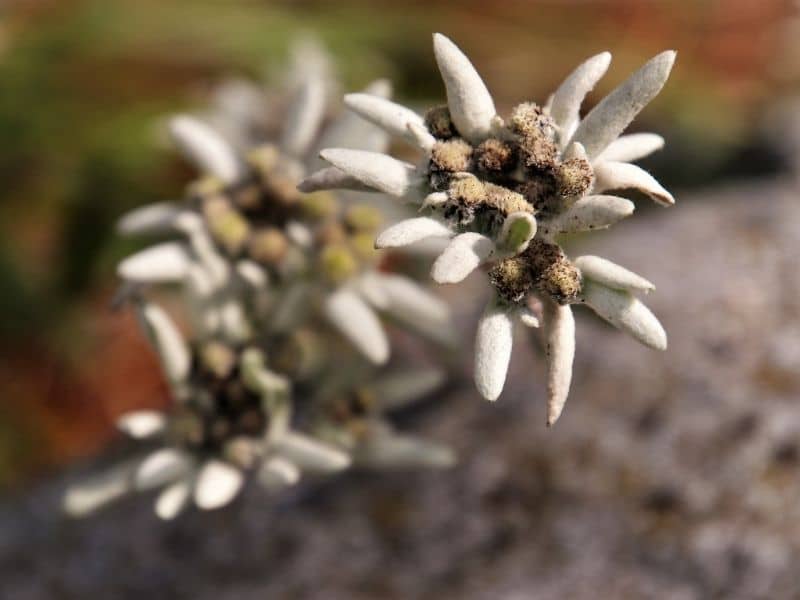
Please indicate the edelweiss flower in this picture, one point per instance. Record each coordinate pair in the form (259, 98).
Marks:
(231, 419)
(503, 190)
(248, 225)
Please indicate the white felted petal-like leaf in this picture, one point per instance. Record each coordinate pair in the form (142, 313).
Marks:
(493, 350)
(304, 118)
(376, 171)
(419, 136)
(311, 455)
(462, 256)
(560, 350)
(142, 423)
(433, 200)
(351, 131)
(611, 175)
(332, 178)
(527, 318)
(358, 323)
(628, 148)
(160, 467)
(370, 287)
(517, 232)
(167, 341)
(409, 231)
(611, 274)
(150, 219)
(390, 450)
(416, 307)
(86, 497)
(625, 311)
(397, 390)
(253, 273)
(574, 150)
(471, 105)
(233, 320)
(173, 499)
(217, 485)
(201, 304)
(277, 473)
(205, 148)
(591, 212)
(203, 247)
(389, 116)
(614, 113)
(167, 262)
(566, 101)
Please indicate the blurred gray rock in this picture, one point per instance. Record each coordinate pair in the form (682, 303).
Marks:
(669, 475)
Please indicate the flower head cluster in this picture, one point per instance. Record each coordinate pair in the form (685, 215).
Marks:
(503, 190)
(282, 295)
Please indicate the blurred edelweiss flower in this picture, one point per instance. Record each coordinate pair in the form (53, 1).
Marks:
(266, 270)
(503, 189)
(232, 416)
(247, 224)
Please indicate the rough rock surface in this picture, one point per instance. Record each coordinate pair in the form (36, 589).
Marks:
(669, 475)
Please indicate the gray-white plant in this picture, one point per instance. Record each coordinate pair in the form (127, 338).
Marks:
(503, 190)
(271, 278)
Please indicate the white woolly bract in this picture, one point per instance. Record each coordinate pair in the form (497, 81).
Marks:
(610, 175)
(332, 178)
(173, 499)
(389, 116)
(628, 148)
(400, 389)
(161, 467)
(352, 131)
(86, 497)
(217, 484)
(591, 212)
(410, 231)
(142, 423)
(167, 341)
(614, 113)
(471, 106)
(415, 307)
(611, 274)
(206, 149)
(493, 350)
(166, 262)
(150, 219)
(305, 116)
(462, 256)
(277, 473)
(567, 99)
(626, 312)
(377, 171)
(389, 450)
(311, 455)
(560, 350)
(357, 322)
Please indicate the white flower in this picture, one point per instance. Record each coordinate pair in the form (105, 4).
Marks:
(225, 256)
(211, 441)
(502, 189)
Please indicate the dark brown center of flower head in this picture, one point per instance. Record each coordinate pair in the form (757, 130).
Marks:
(523, 161)
(220, 407)
(542, 267)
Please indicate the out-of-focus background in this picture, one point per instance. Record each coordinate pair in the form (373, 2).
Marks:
(84, 86)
